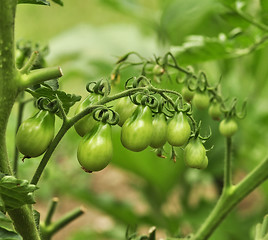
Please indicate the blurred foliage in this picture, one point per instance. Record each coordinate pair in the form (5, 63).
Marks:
(86, 39)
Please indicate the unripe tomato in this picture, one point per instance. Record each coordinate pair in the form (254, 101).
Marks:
(158, 70)
(179, 130)
(228, 127)
(187, 94)
(125, 108)
(95, 149)
(195, 154)
(136, 134)
(201, 100)
(159, 136)
(215, 110)
(35, 134)
(87, 123)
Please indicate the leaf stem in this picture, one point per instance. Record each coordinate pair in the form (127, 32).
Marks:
(62, 222)
(19, 120)
(27, 67)
(227, 164)
(51, 210)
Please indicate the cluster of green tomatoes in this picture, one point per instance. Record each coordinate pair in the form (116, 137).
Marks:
(145, 120)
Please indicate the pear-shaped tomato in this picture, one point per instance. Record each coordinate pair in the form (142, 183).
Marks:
(215, 110)
(95, 149)
(159, 136)
(187, 94)
(201, 100)
(228, 127)
(125, 108)
(179, 130)
(195, 154)
(87, 123)
(35, 134)
(136, 133)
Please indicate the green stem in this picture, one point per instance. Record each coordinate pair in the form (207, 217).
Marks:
(27, 67)
(24, 223)
(227, 164)
(51, 211)
(19, 120)
(39, 76)
(48, 231)
(230, 198)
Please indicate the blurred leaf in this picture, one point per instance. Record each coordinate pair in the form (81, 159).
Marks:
(68, 100)
(15, 193)
(58, 2)
(38, 2)
(264, 11)
(8, 235)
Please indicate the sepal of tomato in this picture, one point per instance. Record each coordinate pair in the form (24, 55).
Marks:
(195, 154)
(178, 130)
(87, 123)
(136, 133)
(125, 108)
(159, 136)
(95, 150)
(228, 127)
(35, 134)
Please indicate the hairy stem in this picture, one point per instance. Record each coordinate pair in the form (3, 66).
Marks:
(24, 223)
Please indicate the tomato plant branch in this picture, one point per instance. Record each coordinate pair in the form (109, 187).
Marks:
(51, 210)
(19, 120)
(227, 164)
(48, 231)
(39, 76)
(27, 67)
(251, 20)
(230, 198)
(70, 122)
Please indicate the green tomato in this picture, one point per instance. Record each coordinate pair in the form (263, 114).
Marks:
(125, 108)
(179, 130)
(187, 94)
(87, 123)
(95, 149)
(158, 70)
(159, 136)
(228, 127)
(136, 133)
(201, 100)
(195, 154)
(35, 134)
(215, 110)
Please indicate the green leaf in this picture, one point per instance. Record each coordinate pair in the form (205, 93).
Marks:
(68, 100)
(36, 215)
(264, 10)
(5, 222)
(38, 2)
(53, 84)
(58, 2)
(15, 193)
(8, 235)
